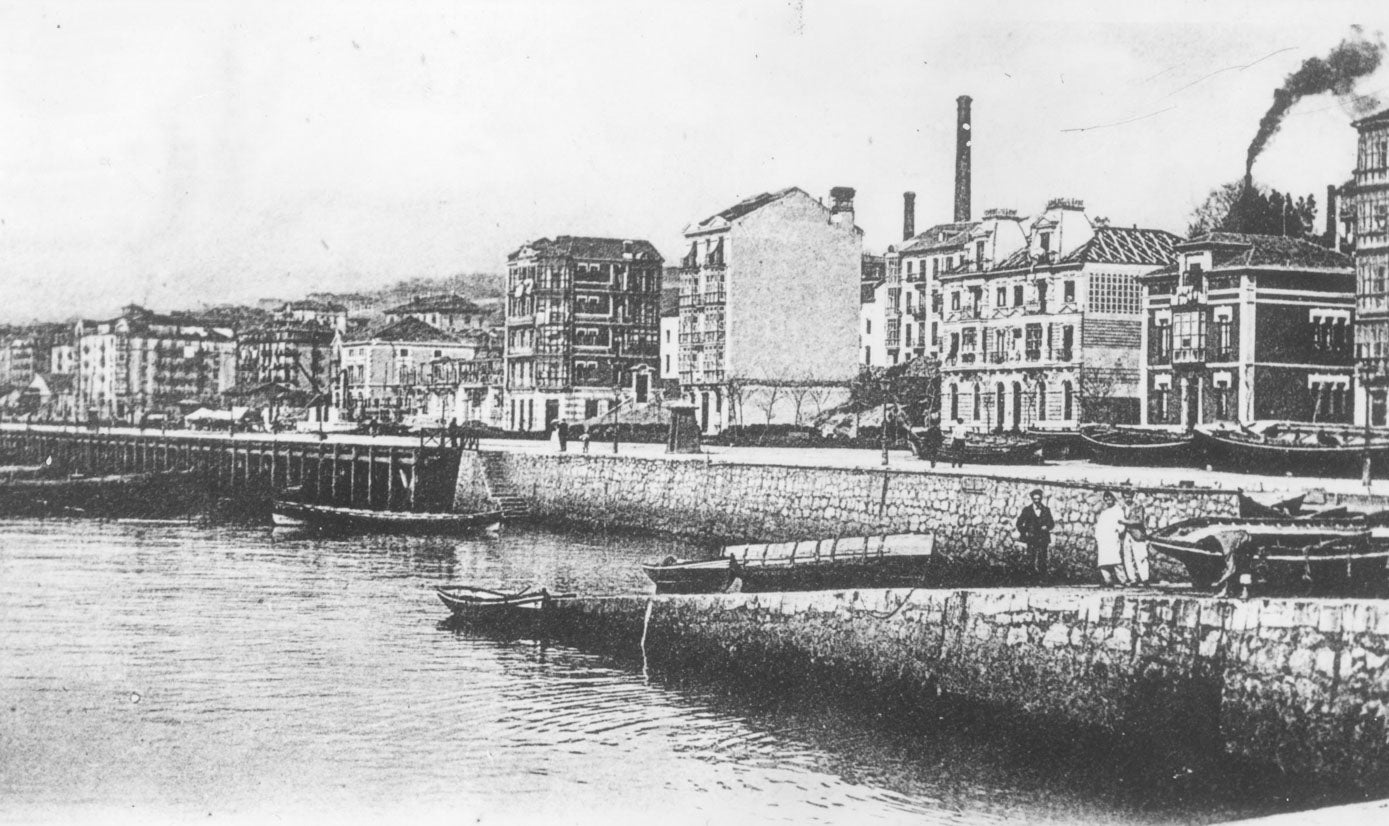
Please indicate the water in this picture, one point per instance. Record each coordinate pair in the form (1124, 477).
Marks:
(165, 672)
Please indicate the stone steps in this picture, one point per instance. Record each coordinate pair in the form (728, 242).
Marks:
(512, 503)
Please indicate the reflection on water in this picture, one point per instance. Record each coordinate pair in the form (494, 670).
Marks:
(171, 670)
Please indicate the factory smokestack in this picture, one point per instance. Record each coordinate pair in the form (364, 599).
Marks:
(908, 215)
(1333, 237)
(962, 140)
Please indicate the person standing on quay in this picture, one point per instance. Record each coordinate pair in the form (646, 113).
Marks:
(931, 441)
(1135, 550)
(563, 428)
(1109, 534)
(959, 434)
(1035, 524)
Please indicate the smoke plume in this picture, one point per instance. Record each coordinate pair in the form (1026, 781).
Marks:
(1352, 59)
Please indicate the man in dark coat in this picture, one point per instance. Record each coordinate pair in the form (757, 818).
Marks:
(1034, 526)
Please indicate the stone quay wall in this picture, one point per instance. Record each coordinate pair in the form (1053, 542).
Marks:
(1298, 685)
(972, 516)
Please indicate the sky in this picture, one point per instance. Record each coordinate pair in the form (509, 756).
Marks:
(180, 154)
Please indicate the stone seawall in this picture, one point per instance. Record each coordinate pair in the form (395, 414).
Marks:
(971, 515)
(1300, 685)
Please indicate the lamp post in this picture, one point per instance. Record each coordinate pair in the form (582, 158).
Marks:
(617, 400)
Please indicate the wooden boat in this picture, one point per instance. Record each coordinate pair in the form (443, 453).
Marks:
(892, 560)
(984, 449)
(1148, 447)
(473, 603)
(1292, 447)
(1339, 554)
(290, 513)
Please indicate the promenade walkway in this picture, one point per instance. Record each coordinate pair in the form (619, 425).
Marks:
(899, 461)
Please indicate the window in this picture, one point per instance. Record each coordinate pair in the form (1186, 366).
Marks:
(1044, 240)
(1068, 292)
(1113, 293)
(955, 300)
(1017, 295)
(979, 254)
(935, 266)
(868, 326)
(438, 354)
(1001, 299)
(1067, 401)
(978, 400)
(868, 355)
(1041, 401)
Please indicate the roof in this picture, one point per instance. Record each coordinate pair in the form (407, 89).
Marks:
(1120, 245)
(443, 303)
(578, 246)
(1236, 250)
(315, 305)
(57, 382)
(940, 235)
(409, 329)
(1377, 117)
(747, 205)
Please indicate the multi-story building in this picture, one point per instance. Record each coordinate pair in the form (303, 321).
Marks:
(582, 328)
(1048, 336)
(449, 312)
(1370, 209)
(670, 327)
(769, 308)
(293, 354)
(27, 351)
(142, 362)
(328, 314)
(1247, 327)
(387, 375)
(469, 389)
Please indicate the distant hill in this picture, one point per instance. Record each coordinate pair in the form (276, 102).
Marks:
(485, 289)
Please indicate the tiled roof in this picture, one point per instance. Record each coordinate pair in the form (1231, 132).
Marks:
(1120, 245)
(746, 206)
(1021, 258)
(445, 303)
(410, 329)
(576, 246)
(1233, 250)
(940, 235)
(58, 382)
(315, 305)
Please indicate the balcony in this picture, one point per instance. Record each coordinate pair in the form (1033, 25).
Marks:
(1061, 354)
(1189, 355)
(1033, 355)
(1034, 307)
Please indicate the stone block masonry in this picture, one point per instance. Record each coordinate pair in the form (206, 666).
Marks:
(972, 515)
(1298, 685)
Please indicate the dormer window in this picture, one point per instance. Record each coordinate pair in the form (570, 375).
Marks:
(1044, 241)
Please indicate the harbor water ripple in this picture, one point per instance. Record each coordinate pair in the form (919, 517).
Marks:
(153, 671)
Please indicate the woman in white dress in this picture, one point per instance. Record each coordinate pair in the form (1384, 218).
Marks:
(1109, 537)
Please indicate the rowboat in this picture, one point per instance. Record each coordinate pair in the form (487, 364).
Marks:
(1149, 447)
(1294, 447)
(289, 513)
(887, 561)
(471, 602)
(1340, 554)
(983, 449)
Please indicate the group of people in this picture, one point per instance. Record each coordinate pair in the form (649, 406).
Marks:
(934, 438)
(1121, 538)
(562, 430)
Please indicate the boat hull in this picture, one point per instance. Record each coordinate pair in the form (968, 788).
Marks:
(327, 517)
(1300, 556)
(905, 562)
(1248, 456)
(1178, 451)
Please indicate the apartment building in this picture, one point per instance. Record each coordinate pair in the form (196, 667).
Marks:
(1247, 327)
(746, 356)
(582, 328)
(1370, 211)
(449, 312)
(1049, 335)
(386, 375)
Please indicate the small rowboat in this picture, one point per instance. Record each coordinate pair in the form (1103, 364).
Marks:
(893, 560)
(1340, 554)
(1293, 447)
(1148, 447)
(982, 449)
(288, 513)
(468, 602)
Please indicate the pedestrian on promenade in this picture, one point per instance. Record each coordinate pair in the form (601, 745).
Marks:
(584, 437)
(959, 434)
(455, 439)
(1135, 550)
(932, 440)
(563, 428)
(1035, 524)
(554, 436)
(1109, 533)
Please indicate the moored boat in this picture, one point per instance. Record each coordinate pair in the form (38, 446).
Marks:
(1142, 446)
(1292, 447)
(1340, 554)
(984, 449)
(471, 602)
(290, 513)
(887, 561)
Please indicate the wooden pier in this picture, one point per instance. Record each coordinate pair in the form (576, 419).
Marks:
(376, 476)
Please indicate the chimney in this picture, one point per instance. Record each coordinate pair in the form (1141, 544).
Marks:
(962, 141)
(1333, 205)
(908, 215)
(842, 206)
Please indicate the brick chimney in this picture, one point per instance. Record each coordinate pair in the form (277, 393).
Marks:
(842, 206)
(962, 141)
(1333, 235)
(908, 215)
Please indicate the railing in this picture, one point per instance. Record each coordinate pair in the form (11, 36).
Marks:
(1189, 355)
(1033, 355)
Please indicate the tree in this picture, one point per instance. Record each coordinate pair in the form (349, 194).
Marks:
(1237, 207)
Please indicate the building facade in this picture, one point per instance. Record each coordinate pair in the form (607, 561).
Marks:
(469, 389)
(582, 328)
(296, 355)
(387, 375)
(1249, 327)
(144, 362)
(1049, 335)
(769, 308)
(449, 312)
(1370, 211)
